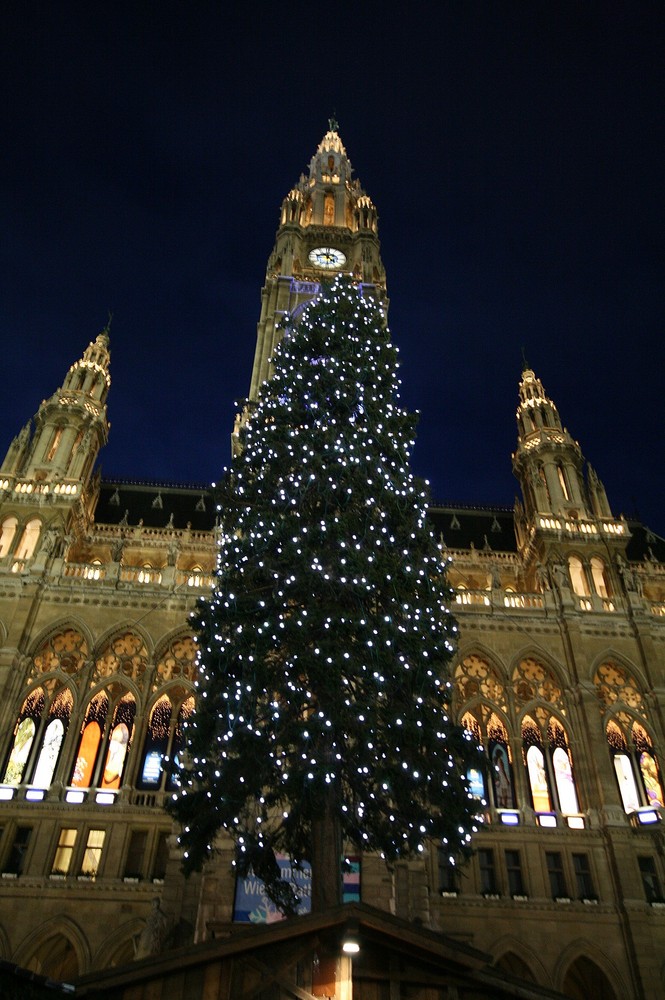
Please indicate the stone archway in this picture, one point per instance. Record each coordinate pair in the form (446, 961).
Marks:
(585, 979)
(56, 958)
(513, 965)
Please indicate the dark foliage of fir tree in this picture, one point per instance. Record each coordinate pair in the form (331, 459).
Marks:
(322, 707)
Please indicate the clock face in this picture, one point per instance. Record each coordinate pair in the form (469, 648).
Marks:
(327, 257)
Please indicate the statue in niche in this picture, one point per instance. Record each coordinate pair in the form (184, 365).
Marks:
(542, 578)
(117, 549)
(560, 576)
(151, 939)
(172, 553)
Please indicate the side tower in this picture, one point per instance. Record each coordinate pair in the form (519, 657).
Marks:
(327, 224)
(45, 479)
(566, 529)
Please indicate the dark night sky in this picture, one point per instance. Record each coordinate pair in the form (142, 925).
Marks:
(514, 151)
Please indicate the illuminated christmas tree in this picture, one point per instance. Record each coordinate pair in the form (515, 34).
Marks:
(322, 709)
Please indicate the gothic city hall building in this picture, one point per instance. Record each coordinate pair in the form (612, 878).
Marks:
(559, 673)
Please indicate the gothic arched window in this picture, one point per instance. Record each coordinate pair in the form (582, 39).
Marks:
(55, 727)
(164, 741)
(7, 532)
(534, 759)
(24, 735)
(578, 577)
(28, 543)
(599, 577)
(549, 764)
(635, 764)
(92, 731)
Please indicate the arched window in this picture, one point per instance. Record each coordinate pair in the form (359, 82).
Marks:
(635, 765)
(7, 532)
(164, 742)
(38, 736)
(562, 765)
(534, 759)
(104, 739)
(53, 445)
(549, 764)
(24, 735)
(89, 742)
(480, 687)
(56, 725)
(156, 743)
(562, 482)
(501, 769)
(119, 742)
(599, 576)
(544, 483)
(578, 577)
(26, 547)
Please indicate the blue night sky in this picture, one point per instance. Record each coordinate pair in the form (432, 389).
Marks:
(514, 152)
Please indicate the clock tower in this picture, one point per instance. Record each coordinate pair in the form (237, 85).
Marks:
(328, 225)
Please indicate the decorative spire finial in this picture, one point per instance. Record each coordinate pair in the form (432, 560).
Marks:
(333, 124)
(525, 363)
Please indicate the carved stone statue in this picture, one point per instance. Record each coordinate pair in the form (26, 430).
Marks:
(542, 578)
(172, 553)
(151, 939)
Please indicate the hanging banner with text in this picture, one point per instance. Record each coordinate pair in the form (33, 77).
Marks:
(252, 906)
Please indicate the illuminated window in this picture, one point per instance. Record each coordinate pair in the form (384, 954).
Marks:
(534, 759)
(562, 766)
(91, 735)
(63, 852)
(24, 735)
(29, 538)
(7, 532)
(53, 446)
(562, 482)
(578, 577)
(540, 793)
(92, 854)
(635, 765)
(599, 576)
(156, 744)
(119, 742)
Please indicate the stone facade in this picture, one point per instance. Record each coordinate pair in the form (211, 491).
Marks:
(560, 672)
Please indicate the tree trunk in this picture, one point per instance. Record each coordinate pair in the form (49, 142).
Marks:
(326, 859)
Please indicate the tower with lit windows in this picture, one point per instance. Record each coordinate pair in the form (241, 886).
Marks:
(50, 469)
(328, 225)
(565, 527)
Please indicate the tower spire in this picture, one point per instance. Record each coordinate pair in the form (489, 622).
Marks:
(328, 225)
(70, 428)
